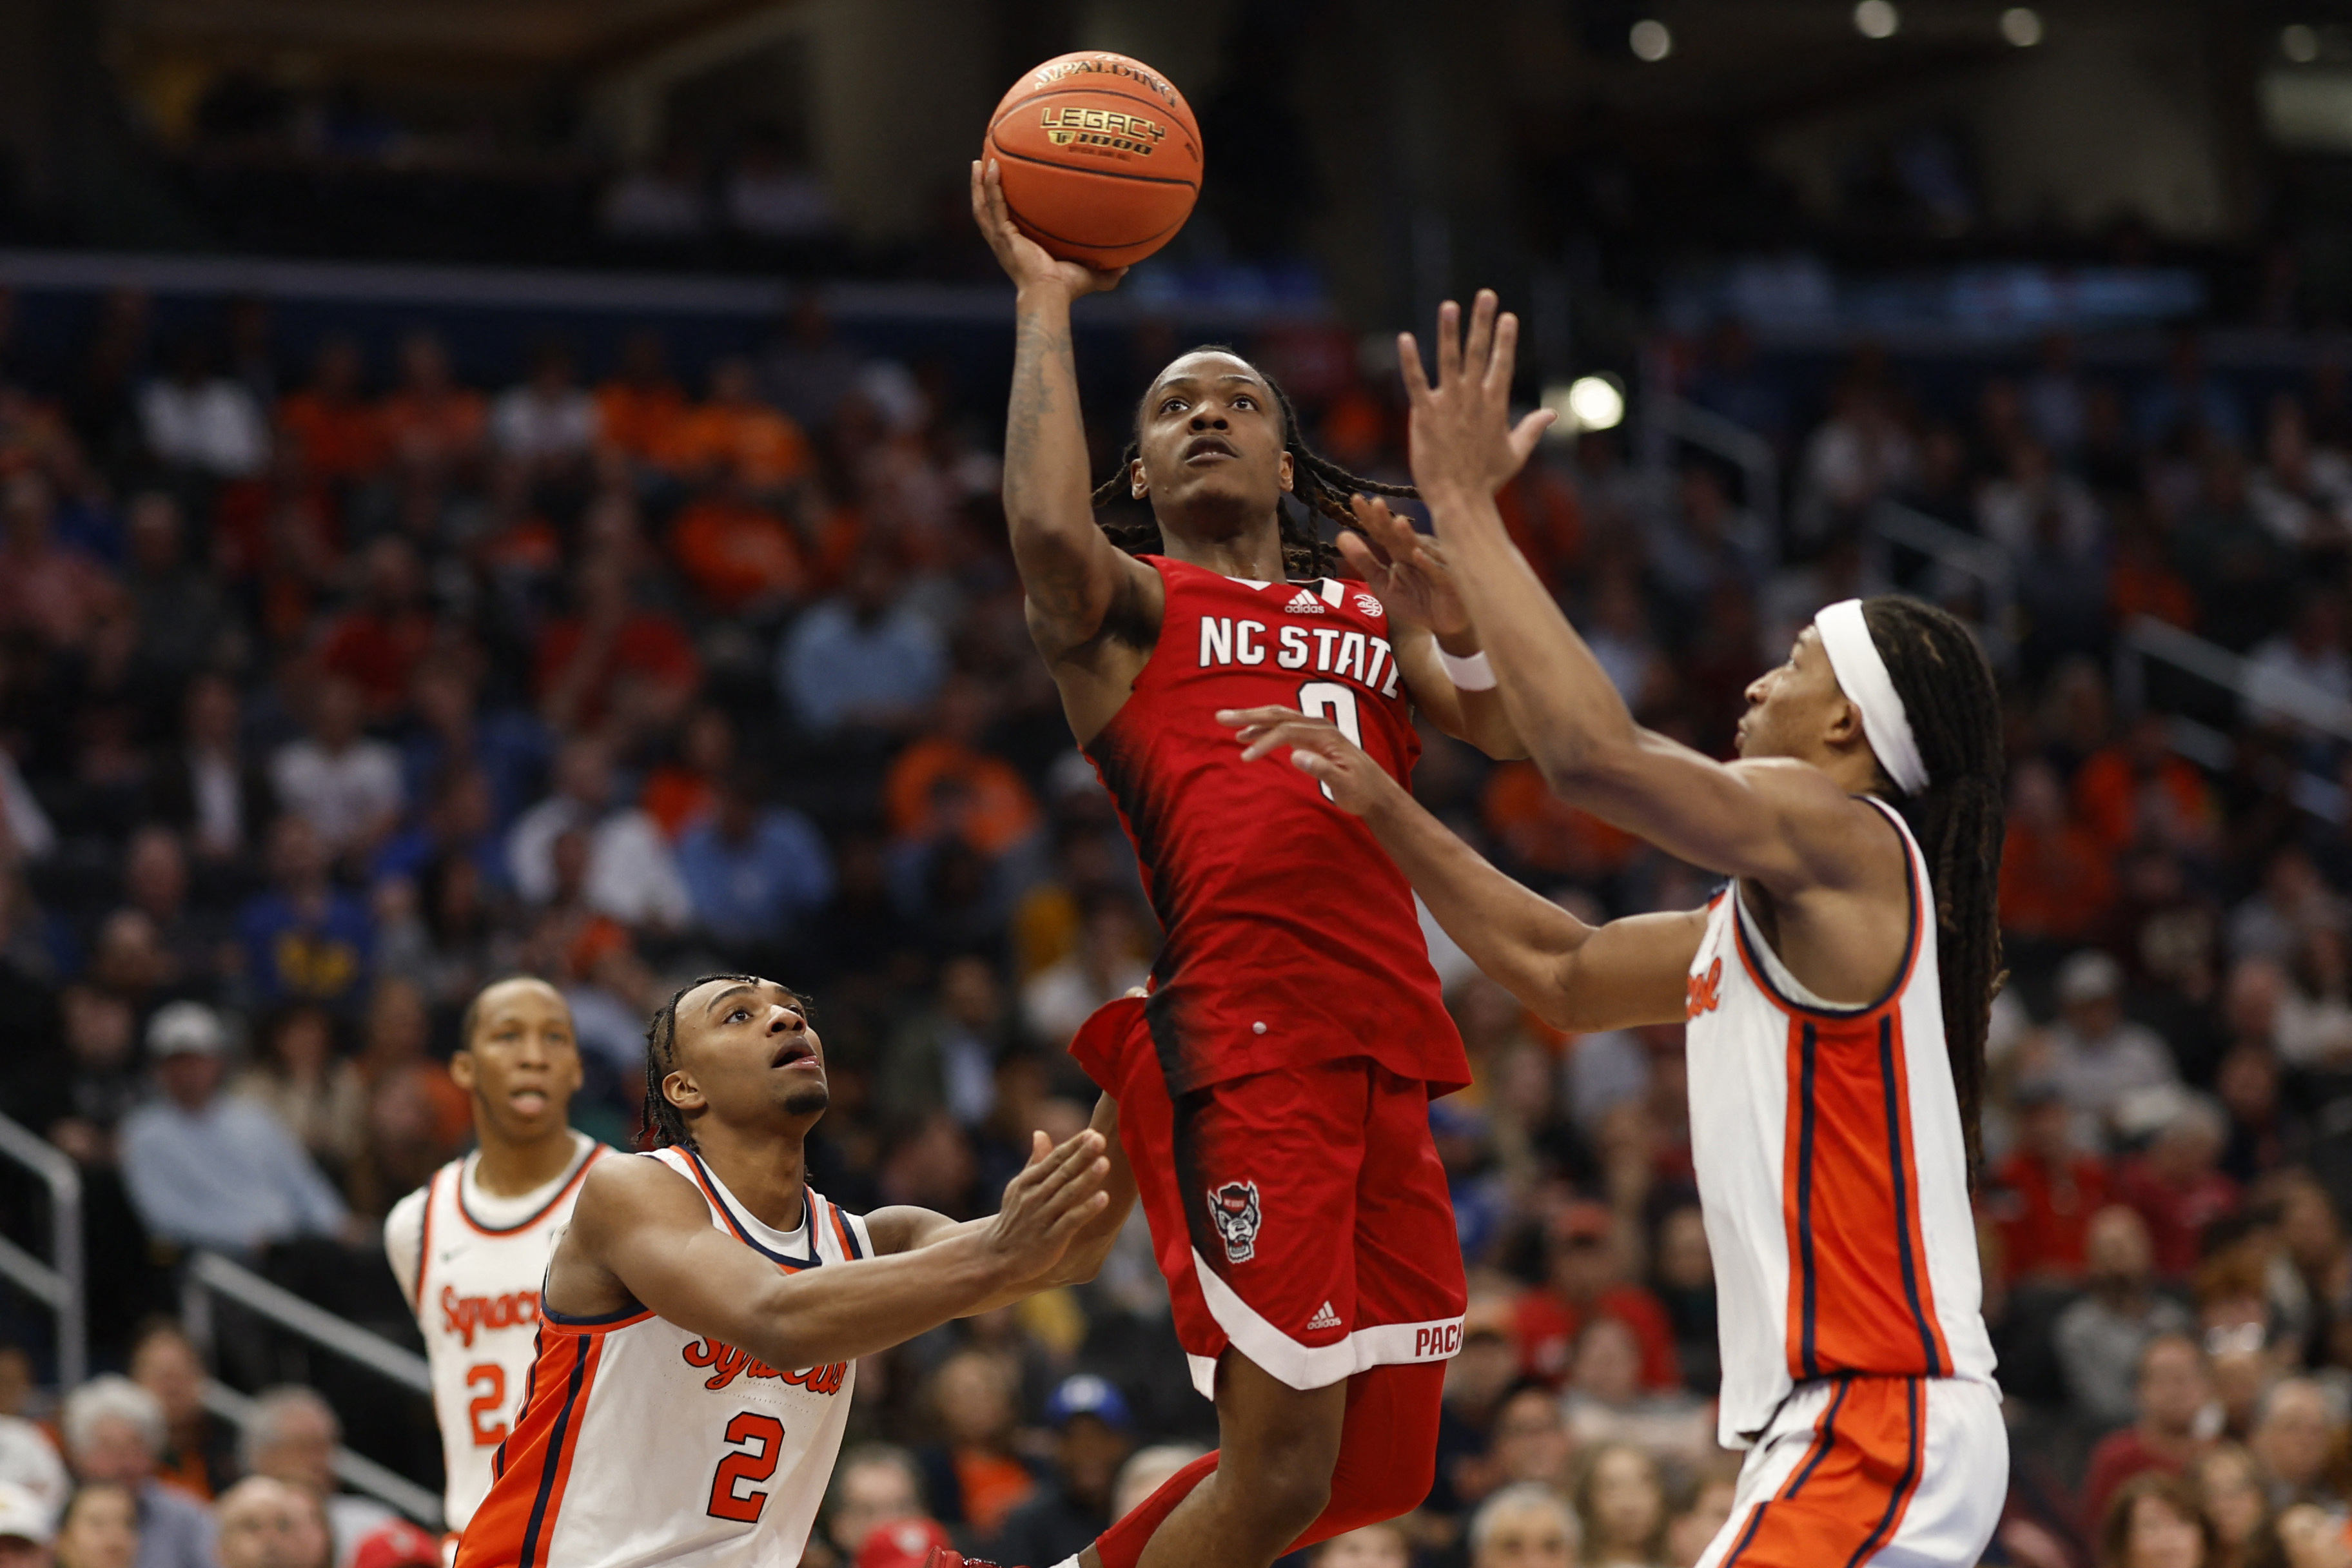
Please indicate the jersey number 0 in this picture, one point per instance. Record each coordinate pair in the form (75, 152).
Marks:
(1329, 699)
(751, 1464)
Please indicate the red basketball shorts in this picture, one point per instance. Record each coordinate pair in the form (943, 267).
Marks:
(1299, 1216)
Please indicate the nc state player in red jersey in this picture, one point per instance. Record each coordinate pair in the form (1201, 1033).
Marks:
(1274, 1088)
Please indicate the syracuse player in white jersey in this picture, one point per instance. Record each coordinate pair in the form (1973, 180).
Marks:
(470, 1247)
(1835, 995)
(703, 1315)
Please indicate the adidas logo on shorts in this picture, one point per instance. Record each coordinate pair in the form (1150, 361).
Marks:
(1304, 603)
(1325, 1318)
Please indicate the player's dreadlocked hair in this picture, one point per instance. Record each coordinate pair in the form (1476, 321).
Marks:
(1954, 707)
(1321, 485)
(660, 1125)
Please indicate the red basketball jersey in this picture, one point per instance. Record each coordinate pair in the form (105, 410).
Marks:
(1290, 935)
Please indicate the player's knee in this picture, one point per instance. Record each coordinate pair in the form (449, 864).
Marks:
(1287, 1494)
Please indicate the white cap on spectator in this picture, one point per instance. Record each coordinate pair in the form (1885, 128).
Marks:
(25, 1516)
(2089, 976)
(184, 1026)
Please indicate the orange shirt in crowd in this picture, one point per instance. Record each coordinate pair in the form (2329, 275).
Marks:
(2151, 588)
(2057, 886)
(1545, 1324)
(648, 646)
(943, 785)
(2107, 795)
(1547, 833)
(638, 419)
(437, 427)
(736, 554)
(339, 439)
(2044, 1213)
(992, 1487)
(675, 798)
(757, 446)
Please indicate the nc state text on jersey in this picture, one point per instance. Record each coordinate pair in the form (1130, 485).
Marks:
(1329, 651)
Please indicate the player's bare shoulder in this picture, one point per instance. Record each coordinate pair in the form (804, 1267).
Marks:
(621, 1199)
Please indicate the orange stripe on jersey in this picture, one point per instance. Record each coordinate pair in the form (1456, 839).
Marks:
(1797, 1201)
(1919, 1289)
(424, 1238)
(841, 1229)
(517, 1520)
(1847, 1498)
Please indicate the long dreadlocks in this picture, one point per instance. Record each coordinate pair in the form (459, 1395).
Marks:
(1321, 486)
(661, 1125)
(1948, 695)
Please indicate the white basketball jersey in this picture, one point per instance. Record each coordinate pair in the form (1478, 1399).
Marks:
(1832, 1170)
(641, 1444)
(477, 1301)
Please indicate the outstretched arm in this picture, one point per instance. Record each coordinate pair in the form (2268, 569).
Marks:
(1576, 976)
(642, 1232)
(1783, 823)
(1406, 569)
(1073, 574)
(909, 1229)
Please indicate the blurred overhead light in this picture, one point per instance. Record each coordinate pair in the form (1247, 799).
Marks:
(1587, 403)
(1877, 19)
(2299, 44)
(1651, 40)
(2022, 26)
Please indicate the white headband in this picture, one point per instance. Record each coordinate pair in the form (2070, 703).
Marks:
(1861, 676)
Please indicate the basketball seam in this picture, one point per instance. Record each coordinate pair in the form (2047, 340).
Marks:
(1005, 110)
(1090, 244)
(1003, 152)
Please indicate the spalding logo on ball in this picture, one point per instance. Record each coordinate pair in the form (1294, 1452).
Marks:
(1099, 156)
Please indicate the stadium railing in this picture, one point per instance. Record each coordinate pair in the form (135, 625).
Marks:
(1960, 560)
(59, 1284)
(1668, 418)
(2260, 693)
(211, 1278)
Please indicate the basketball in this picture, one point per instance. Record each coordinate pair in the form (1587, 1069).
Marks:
(1101, 157)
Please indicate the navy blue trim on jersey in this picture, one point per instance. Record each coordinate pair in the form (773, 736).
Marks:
(571, 1175)
(1903, 1197)
(554, 1466)
(634, 1310)
(1755, 1522)
(1902, 1493)
(742, 1232)
(850, 1233)
(1827, 1440)
(1809, 1053)
(1740, 917)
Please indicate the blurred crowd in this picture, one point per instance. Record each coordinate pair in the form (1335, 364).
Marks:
(331, 688)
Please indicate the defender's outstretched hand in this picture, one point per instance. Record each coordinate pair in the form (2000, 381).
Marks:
(1318, 749)
(1463, 442)
(1025, 261)
(1404, 567)
(1048, 1203)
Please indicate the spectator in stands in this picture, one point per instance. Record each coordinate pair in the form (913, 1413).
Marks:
(2057, 884)
(546, 422)
(2102, 1337)
(1369, 1546)
(80, 1105)
(291, 1437)
(683, 791)
(47, 589)
(339, 434)
(873, 1484)
(1531, 1443)
(1094, 1433)
(2097, 1055)
(114, 1434)
(313, 1090)
(379, 642)
(198, 420)
(2177, 1185)
(184, 621)
(611, 653)
(1706, 1508)
(2229, 1484)
(1524, 1526)
(945, 783)
(2297, 1427)
(945, 1057)
(432, 424)
(1605, 1402)
(199, 1453)
(1104, 966)
(213, 1170)
(208, 789)
(636, 409)
(770, 198)
(27, 1530)
(304, 937)
(344, 782)
(1621, 1507)
(809, 371)
(974, 1476)
(2292, 901)
(863, 658)
(2155, 1521)
(2045, 1191)
(755, 872)
(2172, 1395)
(266, 1523)
(631, 874)
(100, 1528)
(1585, 1275)
(660, 203)
(733, 437)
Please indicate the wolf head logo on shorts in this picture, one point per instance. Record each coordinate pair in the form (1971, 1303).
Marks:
(1233, 1207)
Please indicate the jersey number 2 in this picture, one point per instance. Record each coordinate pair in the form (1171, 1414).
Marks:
(752, 1464)
(488, 1409)
(1329, 699)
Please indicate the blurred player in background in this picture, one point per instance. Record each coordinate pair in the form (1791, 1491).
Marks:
(1273, 1090)
(470, 1247)
(1836, 996)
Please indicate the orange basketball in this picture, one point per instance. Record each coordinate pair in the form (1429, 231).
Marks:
(1101, 157)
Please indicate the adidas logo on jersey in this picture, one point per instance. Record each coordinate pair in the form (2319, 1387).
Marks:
(1325, 1318)
(1304, 603)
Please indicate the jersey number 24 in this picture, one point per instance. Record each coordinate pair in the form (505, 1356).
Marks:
(762, 1440)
